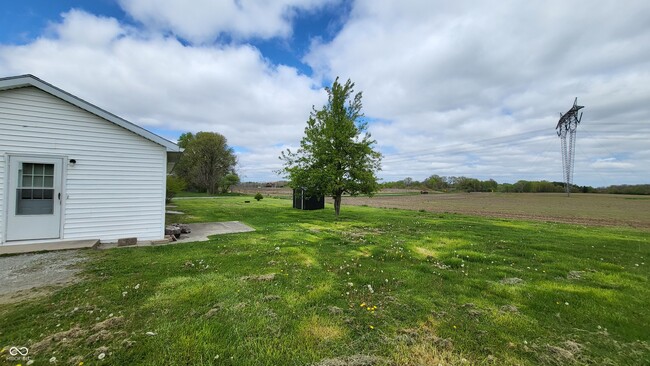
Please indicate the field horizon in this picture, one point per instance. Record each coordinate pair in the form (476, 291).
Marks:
(591, 209)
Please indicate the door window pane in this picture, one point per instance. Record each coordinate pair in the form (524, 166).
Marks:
(35, 191)
(27, 180)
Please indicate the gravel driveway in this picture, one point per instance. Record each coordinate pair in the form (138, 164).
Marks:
(30, 275)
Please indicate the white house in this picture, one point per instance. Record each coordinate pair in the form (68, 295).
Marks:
(70, 170)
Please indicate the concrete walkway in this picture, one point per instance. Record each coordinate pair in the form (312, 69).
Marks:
(200, 232)
(45, 246)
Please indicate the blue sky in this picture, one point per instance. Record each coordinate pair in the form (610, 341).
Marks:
(449, 88)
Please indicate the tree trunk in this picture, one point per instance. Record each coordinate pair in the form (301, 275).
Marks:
(337, 204)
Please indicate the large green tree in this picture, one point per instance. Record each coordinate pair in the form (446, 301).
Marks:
(206, 160)
(336, 154)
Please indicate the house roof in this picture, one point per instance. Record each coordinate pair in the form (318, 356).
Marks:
(20, 81)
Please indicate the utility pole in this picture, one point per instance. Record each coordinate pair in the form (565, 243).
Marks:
(567, 126)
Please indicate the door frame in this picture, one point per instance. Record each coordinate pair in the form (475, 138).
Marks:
(6, 192)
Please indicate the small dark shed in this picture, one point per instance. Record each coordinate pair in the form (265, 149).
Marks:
(303, 202)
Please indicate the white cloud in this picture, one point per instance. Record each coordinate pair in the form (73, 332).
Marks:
(448, 74)
(610, 163)
(157, 82)
(86, 30)
(205, 20)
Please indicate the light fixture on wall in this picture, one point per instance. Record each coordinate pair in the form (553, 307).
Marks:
(72, 162)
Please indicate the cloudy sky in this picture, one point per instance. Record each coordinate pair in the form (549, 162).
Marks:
(451, 88)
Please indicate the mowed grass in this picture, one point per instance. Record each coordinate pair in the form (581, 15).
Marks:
(376, 287)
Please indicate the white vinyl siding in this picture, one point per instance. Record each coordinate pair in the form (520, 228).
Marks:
(115, 190)
(2, 187)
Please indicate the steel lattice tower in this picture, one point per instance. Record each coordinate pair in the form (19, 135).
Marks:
(567, 126)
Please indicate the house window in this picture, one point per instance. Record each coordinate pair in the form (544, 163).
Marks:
(35, 191)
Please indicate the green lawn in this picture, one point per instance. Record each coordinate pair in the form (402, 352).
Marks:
(377, 287)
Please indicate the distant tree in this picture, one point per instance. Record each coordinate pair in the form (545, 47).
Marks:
(626, 189)
(489, 185)
(408, 181)
(228, 181)
(467, 184)
(506, 187)
(173, 187)
(336, 155)
(206, 160)
(436, 182)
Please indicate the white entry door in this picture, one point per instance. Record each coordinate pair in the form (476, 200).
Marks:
(34, 198)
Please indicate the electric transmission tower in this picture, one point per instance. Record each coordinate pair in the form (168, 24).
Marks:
(567, 126)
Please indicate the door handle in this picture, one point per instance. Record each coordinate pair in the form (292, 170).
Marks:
(59, 196)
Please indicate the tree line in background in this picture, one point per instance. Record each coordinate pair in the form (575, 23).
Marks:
(465, 184)
(626, 189)
(207, 164)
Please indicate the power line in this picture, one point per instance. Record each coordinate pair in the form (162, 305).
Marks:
(472, 148)
(451, 146)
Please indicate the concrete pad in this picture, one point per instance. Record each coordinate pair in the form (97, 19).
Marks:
(201, 231)
(46, 246)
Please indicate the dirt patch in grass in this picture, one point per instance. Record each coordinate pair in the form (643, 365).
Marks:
(422, 346)
(511, 281)
(101, 331)
(335, 310)
(268, 298)
(355, 360)
(259, 278)
(564, 355)
(28, 276)
(240, 306)
(109, 323)
(575, 275)
(102, 335)
(67, 336)
(75, 360)
(212, 312)
(101, 350)
(509, 309)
